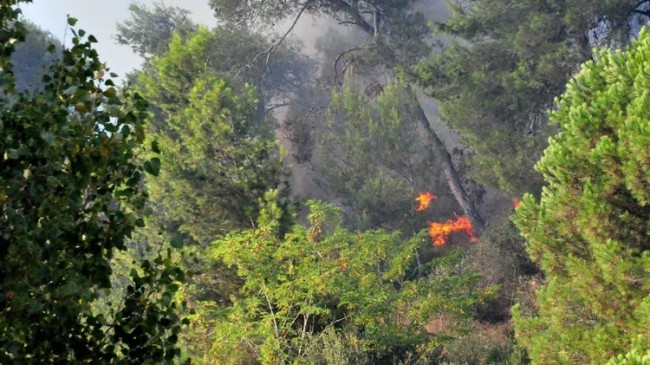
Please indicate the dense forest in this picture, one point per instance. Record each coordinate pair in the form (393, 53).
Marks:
(462, 182)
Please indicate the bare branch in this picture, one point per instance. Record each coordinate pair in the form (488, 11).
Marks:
(341, 55)
(268, 302)
(280, 105)
(641, 2)
(355, 15)
(641, 8)
(269, 52)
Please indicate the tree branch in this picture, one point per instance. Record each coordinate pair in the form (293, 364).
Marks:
(641, 2)
(636, 10)
(340, 55)
(357, 18)
(269, 52)
(275, 106)
(268, 302)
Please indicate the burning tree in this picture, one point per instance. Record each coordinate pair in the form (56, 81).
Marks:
(425, 200)
(397, 37)
(440, 232)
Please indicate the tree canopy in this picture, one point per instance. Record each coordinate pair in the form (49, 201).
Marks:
(505, 64)
(71, 194)
(149, 30)
(322, 276)
(163, 221)
(589, 231)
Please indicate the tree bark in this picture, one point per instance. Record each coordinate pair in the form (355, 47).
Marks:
(438, 149)
(356, 18)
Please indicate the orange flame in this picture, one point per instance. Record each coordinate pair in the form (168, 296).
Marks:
(439, 232)
(516, 203)
(425, 199)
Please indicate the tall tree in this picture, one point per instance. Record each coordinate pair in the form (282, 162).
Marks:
(219, 152)
(589, 232)
(221, 158)
(392, 27)
(149, 30)
(506, 63)
(71, 193)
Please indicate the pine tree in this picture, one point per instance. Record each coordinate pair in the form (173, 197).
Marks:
(504, 65)
(373, 156)
(590, 230)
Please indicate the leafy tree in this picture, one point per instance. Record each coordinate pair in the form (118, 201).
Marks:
(214, 134)
(505, 65)
(71, 193)
(589, 232)
(148, 31)
(322, 276)
(397, 31)
(220, 158)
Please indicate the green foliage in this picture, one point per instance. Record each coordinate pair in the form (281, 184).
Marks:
(149, 31)
(373, 157)
(219, 159)
(505, 65)
(639, 354)
(589, 232)
(71, 194)
(296, 286)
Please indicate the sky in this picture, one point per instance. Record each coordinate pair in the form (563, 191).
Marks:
(99, 18)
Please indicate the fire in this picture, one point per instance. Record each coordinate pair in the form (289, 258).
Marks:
(425, 199)
(516, 203)
(439, 232)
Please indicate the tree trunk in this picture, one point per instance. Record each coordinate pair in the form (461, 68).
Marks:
(438, 149)
(356, 18)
